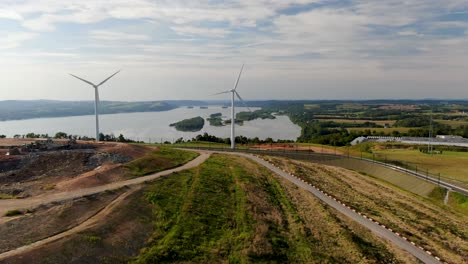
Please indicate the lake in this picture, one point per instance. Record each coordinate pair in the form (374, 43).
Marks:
(153, 126)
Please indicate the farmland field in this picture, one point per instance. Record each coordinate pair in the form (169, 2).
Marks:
(359, 121)
(453, 123)
(450, 164)
(380, 129)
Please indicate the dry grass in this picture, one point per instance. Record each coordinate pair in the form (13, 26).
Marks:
(438, 228)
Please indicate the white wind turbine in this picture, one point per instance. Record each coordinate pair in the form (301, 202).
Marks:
(233, 116)
(96, 100)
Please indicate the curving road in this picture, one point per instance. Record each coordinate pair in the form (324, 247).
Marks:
(372, 226)
(30, 203)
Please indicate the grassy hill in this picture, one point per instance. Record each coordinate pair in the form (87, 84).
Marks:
(228, 209)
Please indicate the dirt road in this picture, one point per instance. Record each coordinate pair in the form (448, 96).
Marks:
(31, 203)
(81, 227)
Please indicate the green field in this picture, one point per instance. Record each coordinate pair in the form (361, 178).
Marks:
(452, 123)
(451, 165)
(159, 160)
(359, 121)
(381, 129)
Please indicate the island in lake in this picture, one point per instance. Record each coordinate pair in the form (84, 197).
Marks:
(215, 119)
(190, 125)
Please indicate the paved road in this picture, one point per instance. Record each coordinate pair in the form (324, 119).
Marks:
(373, 227)
(30, 203)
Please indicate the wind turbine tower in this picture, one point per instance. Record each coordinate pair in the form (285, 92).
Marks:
(96, 98)
(233, 113)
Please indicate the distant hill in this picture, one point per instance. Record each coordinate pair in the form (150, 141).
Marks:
(15, 110)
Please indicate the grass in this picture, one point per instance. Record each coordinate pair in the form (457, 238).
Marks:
(93, 239)
(458, 201)
(13, 213)
(451, 165)
(231, 210)
(159, 160)
(6, 196)
(452, 123)
(425, 221)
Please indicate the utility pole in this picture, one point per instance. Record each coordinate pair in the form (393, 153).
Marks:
(429, 146)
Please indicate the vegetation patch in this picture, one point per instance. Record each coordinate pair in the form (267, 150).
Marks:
(215, 119)
(13, 213)
(247, 116)
(159, 160)
(459, 201)
(190, 125)
(6, 196)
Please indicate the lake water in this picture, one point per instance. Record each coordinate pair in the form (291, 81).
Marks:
(153, 126)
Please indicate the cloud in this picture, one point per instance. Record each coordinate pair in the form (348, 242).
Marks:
(199, 31)
(14, 40)
(338, 40)
(409, 33)
(9, 14)
(106, 35)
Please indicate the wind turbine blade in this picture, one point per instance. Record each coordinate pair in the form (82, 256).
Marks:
(108, 78)
(225, 92)
(88, 82)
(238, 77)
(242, 100)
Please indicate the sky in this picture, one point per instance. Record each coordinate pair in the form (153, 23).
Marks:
(292, 49)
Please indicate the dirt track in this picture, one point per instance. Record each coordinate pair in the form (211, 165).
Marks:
(30, 203)
(81, 227)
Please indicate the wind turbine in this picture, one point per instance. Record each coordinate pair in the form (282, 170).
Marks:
(96, 98)
(233, 116)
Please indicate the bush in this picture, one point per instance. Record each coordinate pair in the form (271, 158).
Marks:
(13, 213)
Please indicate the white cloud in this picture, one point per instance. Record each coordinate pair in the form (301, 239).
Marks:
(408, 33)
(9, 14)
(106, 35)
(14, 40)
(360, 42)
(199, 31)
